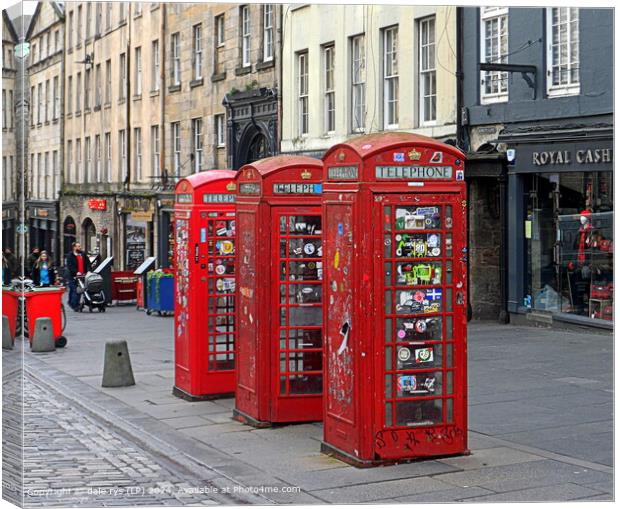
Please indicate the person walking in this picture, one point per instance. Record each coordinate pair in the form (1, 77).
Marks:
(10, 266)
(43, 272)
(78, 264)
(31, 260)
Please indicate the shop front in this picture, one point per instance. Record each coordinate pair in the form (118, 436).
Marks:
(43, 227)
(137, 221)
(561, 228)
(165, 231)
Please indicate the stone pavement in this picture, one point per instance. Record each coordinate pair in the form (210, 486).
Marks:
(70, 458)
(540, 420)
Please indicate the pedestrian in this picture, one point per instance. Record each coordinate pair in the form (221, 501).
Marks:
(78, 264)
(31, 260)
(10, 266)
(43, 272)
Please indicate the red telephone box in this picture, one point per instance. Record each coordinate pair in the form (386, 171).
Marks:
(395, 309)
(204, 327)
(279, 312)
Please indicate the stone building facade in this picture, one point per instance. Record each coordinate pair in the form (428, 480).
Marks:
(45, 146)
(9, 140)
(366, 68)
(221, 90)
(113, 122)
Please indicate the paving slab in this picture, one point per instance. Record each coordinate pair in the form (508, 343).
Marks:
(565, 491)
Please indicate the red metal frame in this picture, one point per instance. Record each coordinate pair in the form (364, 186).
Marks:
(279, 313)
(395, 359)
(205, 285)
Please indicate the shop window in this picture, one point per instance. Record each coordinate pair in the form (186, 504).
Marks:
(569, 242)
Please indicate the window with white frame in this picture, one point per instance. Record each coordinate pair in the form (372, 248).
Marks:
(137, 152)
(108, 81)
(155, 65)
(40, 103)
(358, 83)
(78, 161)
(11, 106)
(56, 98)
(176, 58)
(122, 12)
(563, 51)
(176, 148)
(70, 30)
(494, 49)
(46, 181)
(329, 94)
(390, 78)
(197, 143)
(97, 158)
(47, 100)
(302, 93)
(98, 85)
(138, 71)
(220, 132)
(245, 35)
(87, 160)
(122, 154)
(219, 30)
(89, 12)
(267, 32)
(55, 174)
(87, 89)
(155, 151)
(122, 83)
(69, 160)
(428, 74)
(197, 51)
(78, 93)
(107, 177)
(108, 15)
(79, 25)
(98, 18)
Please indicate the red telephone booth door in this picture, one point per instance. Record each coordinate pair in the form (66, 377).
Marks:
(421, 384)
(298, 313)
(218, 238)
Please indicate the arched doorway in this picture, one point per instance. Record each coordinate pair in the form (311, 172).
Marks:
(253, 145)
(68, 234)
(258, 148)
(89, 234)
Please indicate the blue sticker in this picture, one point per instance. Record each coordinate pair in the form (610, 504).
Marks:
(318, 188)
(340, 229)
(203, 234)
(399, 157)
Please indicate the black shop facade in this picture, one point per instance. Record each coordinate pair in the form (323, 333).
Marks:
(560, 224)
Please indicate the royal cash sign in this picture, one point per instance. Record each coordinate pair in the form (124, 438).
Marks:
(413, 172)
(582, 156)
(97, 204)
(218, 198)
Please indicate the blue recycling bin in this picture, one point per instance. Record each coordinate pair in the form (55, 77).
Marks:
(160, 295)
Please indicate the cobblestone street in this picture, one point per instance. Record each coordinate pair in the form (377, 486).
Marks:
(70, 459)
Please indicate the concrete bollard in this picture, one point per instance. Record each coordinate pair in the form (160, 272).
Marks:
(43, 339)
(7, 340)
(117, 370)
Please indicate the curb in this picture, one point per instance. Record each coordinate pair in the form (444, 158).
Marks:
(150, 441)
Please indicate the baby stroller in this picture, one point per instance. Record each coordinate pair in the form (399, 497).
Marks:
(90, 289)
